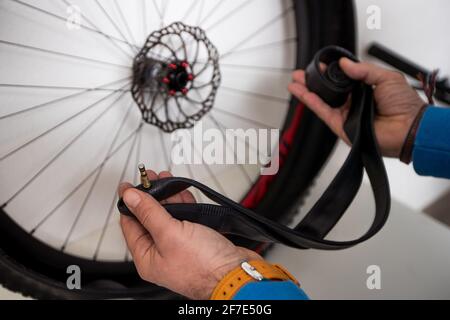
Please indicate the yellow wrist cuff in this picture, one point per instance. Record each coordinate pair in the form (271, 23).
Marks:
(237, 278)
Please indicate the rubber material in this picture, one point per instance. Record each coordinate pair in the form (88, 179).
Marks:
(332, 85)
(230, 217)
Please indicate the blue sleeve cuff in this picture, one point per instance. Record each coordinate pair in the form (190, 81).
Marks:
(431, 155)
(271, 290)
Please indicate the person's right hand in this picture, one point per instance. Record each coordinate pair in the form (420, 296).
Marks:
(397, 104)
(185, 257)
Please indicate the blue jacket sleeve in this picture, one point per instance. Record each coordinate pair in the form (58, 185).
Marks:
(431, 154)
(271, 290)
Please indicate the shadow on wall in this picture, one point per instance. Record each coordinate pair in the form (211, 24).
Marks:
(439, 209)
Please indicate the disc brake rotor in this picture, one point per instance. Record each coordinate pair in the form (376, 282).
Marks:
(162, 83)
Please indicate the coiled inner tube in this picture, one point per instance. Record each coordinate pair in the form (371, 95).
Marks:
(229, 217)
(325, 77)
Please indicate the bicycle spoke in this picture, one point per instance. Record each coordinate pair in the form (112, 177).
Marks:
(180, 109)
(262, 68)
(144, 15)
(263, 46)
(55, 127)
(94, 183)
(115, 199)
(198, 194)
(111, 38)
(161, 19)
(35, 86)
(257, 95)
(189, 10)
(228, 15)
(210, 173)
(114, 24)
(202, 70)
(138, 157)
(222, 129)
(24, 46)
(261, 29)
(211, 12)
(51, 14)
(63, 150)
(165, 151)
(196, 54)
(245, 119)
(164, 10)
(224, 18)
(200, 11)
(83, 181)
(78, 198)
(58, 100)
(124, 20)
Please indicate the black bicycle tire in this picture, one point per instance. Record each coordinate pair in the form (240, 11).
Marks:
(29, 269)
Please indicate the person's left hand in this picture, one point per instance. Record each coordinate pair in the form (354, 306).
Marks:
(185, 257)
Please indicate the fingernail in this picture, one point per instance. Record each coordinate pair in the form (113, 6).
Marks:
(132, 199)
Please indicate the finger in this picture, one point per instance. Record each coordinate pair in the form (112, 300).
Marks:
(299, 76)
(297, 89)
(152, 175)
(174, 199)
(136, 236)
(125, 185)
(155, 219)
(165, 174)
(183, 197)
(363, 71)
(188, 197)
(314, 102)
(122, 187)
(332, 117)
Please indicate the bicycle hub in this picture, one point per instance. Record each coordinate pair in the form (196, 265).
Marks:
(175, 77)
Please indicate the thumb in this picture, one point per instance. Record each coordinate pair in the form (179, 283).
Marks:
(149, 212)
(363, 71)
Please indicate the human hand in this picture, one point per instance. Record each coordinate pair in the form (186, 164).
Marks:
(185, 257)
(398, 104)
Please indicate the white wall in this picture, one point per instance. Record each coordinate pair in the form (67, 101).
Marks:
(417, 29)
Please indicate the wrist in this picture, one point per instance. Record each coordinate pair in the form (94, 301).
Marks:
(219, 273)
(249, 272)
(408, 145)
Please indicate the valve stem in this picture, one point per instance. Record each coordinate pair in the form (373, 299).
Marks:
(144, 177)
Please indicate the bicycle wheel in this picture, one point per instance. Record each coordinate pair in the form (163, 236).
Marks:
(75, 120)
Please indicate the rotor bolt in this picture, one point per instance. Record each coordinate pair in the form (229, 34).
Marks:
(185, 64)
(166, 80)
(172, 66)
(190, 77)
(184, 91)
